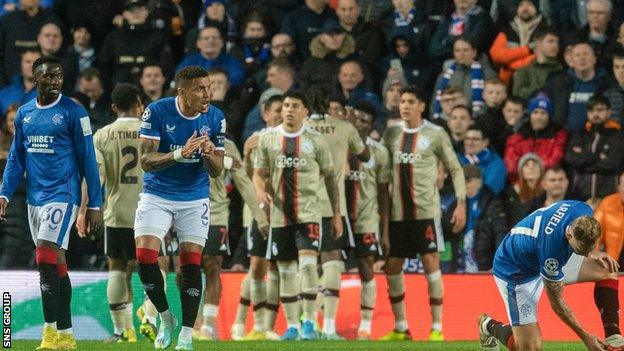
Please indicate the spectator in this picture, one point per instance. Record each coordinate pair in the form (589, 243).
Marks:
(597, 31)
(511, 50)
(281, 47)
(214, 16)
(50, 40)
(467, 19)
(253, 120)
(503, 11)
(92, 95)
(127, 48)
(512, 113)
(7, 6)
(254, 50)
(610, 214)
(369, 39)
(18, 32)
(451, 97)
(222, 97)
(413, 63)
(595, 154)
(458, 123)
(391, 93)
(96, 15)
(304, 23)
(15, 244)
(555, 185)
(490, 118)
(352, 88)
(519, 198)
(336, 107)
(532, 78)
(210, 45)
(615, 91)
(477, 152)
(22, 88)
(327, 52)
(152, 83)
(375, 10)
(540, 135)
(82, 51)
(463, 71)
(485, 222)
(571, 89)
(7, 130)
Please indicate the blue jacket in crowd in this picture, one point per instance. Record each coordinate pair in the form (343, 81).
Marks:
(232, 66)
(15, 94)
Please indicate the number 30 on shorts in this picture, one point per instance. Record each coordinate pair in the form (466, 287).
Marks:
(52, 217)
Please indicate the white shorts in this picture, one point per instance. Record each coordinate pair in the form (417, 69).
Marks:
(155, 216)
(52, 222)
(521, 300)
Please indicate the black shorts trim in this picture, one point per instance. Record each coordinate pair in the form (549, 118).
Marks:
(284, 243)
(119, 243)
(218, 243)
(410, 238)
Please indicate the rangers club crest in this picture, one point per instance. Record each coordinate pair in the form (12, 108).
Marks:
(57, 119)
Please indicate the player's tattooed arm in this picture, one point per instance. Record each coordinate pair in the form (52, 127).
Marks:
(214, 163)
(151, 160)
(332, 190)
(554, 290)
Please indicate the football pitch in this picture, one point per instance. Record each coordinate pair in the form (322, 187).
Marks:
(301, 345)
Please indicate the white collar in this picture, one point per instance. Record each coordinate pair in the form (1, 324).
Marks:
(414, 130)
(44, 107)
(177, 101)
(290, 135)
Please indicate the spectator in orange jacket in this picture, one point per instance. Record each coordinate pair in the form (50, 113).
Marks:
(610, 214)
(513, 47)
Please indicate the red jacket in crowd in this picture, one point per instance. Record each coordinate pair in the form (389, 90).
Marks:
(549, 144)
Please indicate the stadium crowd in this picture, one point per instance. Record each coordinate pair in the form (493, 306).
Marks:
(530, 92)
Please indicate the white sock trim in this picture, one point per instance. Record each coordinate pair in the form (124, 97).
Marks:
(433, 276)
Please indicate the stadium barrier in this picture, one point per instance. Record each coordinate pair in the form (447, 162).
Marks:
(465, 297)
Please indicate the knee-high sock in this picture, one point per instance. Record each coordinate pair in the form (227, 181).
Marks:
(502, 333)
(331, 293)
(606, 299)
(368, 296)
(396, 292)
(190, 286)
(153, 282)
(272, 300)
(64, 323)
(117, 297)
(435, 298)
(289, 292)
(309, 285)
(258, 301)
(244, 302)
(49, 283)
(149, 310)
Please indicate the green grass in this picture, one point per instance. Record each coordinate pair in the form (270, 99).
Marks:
(301, 345)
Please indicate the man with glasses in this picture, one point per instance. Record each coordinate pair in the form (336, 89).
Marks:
(478, 152)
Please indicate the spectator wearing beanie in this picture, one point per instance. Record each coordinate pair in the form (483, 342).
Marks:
(540, 135)
(519, 197)
(391, 93)
(610, 214)
(513, 46)
(595, 154)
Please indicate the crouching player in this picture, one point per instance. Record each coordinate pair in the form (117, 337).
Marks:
(553, 246)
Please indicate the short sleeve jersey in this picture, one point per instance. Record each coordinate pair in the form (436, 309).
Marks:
(341, 138)
(415, 154)
(361, 187)
(294, 161)
(163, 121)
(537, 244)
(117, 154)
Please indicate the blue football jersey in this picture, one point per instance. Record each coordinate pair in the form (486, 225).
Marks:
(54, 146)
(537, 244)
(184, 181)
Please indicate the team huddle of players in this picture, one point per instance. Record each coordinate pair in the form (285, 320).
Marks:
(313, 185)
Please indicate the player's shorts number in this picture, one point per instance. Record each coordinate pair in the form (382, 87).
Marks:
(53, 217)
(123, 178)
(313, 231)
(204, 216)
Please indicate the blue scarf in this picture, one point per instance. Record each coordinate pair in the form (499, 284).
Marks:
(400, 21)
(261, 57)
(476, 84)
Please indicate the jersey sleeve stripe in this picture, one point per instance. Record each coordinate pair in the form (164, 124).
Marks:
(550, 279)
(149, 137)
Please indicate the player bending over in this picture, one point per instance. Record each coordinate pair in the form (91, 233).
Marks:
(553, 246)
